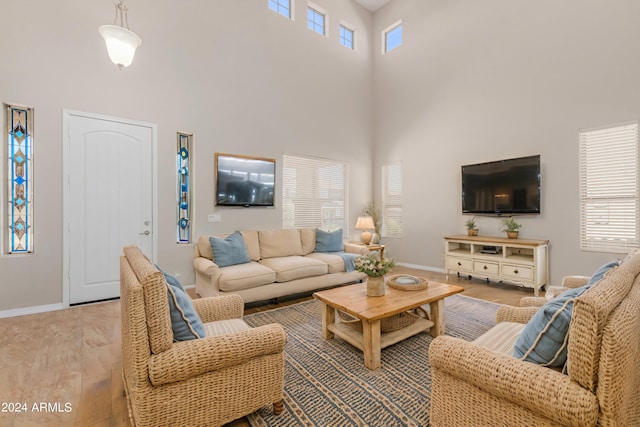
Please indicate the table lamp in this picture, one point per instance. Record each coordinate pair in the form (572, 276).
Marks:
(365, 223)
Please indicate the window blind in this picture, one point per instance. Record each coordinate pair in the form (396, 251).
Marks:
(609, 188)
(392, 200)
(314, 193)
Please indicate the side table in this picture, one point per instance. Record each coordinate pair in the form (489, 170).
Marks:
(375, 247)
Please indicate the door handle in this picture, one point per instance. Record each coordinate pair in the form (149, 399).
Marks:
(146, 233)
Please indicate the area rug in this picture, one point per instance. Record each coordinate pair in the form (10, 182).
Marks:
(327, 384)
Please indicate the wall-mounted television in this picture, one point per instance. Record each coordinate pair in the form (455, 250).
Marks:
(510, 186)
(244, 180)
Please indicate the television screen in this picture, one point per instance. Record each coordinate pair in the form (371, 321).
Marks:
(244, 181)
(502, 187)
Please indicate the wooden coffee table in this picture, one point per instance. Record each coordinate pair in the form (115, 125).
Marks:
(371, 310)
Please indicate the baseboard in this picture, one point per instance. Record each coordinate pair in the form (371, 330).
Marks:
(422, 267)
(30, 310)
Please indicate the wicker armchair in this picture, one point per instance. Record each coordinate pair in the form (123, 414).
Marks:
(475, 386)
(203, 382)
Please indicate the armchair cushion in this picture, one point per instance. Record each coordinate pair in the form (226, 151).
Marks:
(329, 241)
(230, 250)
(544, 339)
(225, 327)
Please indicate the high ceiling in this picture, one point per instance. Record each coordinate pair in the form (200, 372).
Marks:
(372, 5)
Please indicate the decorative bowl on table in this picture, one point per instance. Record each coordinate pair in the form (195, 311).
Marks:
(407, 282)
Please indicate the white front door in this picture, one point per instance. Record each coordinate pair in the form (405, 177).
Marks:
(109, 200)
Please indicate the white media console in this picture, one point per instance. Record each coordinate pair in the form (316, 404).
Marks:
(523, 262)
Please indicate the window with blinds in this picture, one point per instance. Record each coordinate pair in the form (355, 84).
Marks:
(392, 200)
(609, 188)
(314, 193)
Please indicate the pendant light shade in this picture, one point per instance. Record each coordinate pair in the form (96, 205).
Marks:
(120, 40)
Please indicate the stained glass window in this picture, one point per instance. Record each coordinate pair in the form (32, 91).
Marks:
(19, 171)
(184, 187)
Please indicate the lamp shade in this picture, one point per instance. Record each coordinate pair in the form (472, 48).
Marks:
(121, 44)
(365, 223)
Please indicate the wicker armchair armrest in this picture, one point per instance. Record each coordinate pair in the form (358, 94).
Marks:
(352, 248)
(507, 313)
(532, 301)
(187, 359)
(574, 281)
(539, 389)
(223, 307)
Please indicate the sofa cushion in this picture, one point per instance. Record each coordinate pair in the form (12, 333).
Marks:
(252, 243)
(308, 240)
(203, 246)
(185, 322)
(245, 276)
(545, 337)
(279, 243)
(329, 241)
(230, 250)
(295, 267)
(334, 261)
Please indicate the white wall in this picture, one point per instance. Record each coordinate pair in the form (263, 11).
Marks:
(477, 81)
(240, 77)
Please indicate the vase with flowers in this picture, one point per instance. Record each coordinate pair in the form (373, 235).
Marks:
(375, 268)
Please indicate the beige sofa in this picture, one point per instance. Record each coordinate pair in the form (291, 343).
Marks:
(282, 262)
(480, 383)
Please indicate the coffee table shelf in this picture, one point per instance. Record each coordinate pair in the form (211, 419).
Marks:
(354, 301)
(355, 337)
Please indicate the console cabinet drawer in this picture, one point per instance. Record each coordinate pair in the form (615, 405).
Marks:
(483, 267)
(459, 264)
(517, 271)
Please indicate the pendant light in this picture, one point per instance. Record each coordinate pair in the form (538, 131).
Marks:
(120, 40)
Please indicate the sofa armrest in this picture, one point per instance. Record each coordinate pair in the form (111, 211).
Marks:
(207, 275)
(536, 388)
(574, 281)
(223, 307)
(507, 313)
(187, 359)
(354, 248)
(206, 266)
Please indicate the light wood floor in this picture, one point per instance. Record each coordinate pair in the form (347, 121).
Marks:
(69, 360)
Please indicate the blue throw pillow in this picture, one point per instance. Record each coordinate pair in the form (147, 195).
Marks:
(329, 241)
(544, 338)
(171, 279)
(185, 322)
(229, 251)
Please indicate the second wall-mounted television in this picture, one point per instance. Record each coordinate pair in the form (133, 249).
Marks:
(510, 186)
(244, 180)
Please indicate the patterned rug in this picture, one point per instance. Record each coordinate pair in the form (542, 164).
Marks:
(327, 384)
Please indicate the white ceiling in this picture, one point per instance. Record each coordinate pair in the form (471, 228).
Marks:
(372, 5)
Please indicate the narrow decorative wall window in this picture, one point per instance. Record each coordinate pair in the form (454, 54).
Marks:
(609, 189)
(283, 7)
(184, 187)
(20, 178)
(392, 37)
(347, 37)
(316, 19)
